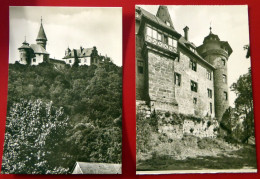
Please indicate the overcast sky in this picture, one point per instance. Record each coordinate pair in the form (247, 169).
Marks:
(230, 23)
(68, 26)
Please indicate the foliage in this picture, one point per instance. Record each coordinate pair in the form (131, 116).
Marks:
(34, 136)
(143, 133)
(89, 95)
(239, 122)
(244, 103)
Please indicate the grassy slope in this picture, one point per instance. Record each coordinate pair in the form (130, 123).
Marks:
(192, 153)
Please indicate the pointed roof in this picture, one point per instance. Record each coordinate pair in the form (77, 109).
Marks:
(164, 15)
(41, 33)
(25, 45)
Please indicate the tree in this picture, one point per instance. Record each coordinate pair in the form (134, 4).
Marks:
(34, 139)
(244, 103)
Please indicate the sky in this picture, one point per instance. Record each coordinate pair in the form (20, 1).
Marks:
(68, 27)
(230, 23)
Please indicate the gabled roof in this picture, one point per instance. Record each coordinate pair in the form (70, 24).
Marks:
(82, 52)
(41, 34)
(164, 15)
(156, 20)
(98, 168)
(38, 49)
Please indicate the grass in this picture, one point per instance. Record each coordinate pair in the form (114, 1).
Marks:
(242, 158)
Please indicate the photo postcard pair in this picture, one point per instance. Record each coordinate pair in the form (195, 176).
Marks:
(194, 101)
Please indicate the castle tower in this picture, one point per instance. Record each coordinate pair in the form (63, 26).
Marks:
(217, 52)
(41, 38)
(25, 53)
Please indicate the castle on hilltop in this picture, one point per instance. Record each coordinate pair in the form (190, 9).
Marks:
(173, 74)
(35, 54)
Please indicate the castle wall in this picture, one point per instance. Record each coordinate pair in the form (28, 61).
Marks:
(141, 89)
(189, 127)
(161, 88)
(183, 94)
(70, 61)
(39, 58)
(84, 61)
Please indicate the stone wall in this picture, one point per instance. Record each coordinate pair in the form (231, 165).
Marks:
(161, 88)
(203, 128)
(140, 77)
(176, 126)
(183, 94)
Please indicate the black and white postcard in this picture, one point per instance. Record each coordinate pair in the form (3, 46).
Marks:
(64, 91)
(194, 100)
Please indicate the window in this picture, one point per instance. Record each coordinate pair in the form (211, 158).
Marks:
(210, 106)
(225, 95)
(224, 78)
(194, 86)
(85, 60)
(154, 34)
(195, 100)
(172, 42)
(209, 93)
(79, 60)
(177, 79)
(34, 60)
(209, 75)
(149, 31)
(193, 65)
(69, 61)
(159, 36)
(140, 67)
(165, 39)
(223, 62)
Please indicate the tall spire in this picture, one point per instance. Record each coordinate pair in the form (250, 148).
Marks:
(41, 38)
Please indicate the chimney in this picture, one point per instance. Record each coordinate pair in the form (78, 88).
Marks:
(186, 34)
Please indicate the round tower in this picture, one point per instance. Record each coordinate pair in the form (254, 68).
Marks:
(217, 52)
(25, 53)
(41, 38)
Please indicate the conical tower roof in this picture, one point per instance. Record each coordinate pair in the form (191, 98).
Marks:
(41, 33)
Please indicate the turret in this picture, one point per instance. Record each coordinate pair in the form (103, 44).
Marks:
(25, 53)
(217, 52)
(41, 38)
